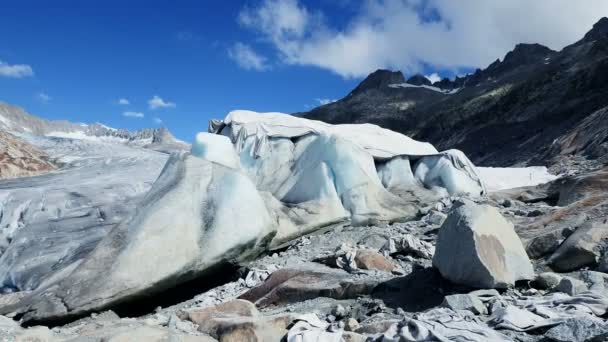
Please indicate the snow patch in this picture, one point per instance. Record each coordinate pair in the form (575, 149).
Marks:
(497, 178)
(436, 89)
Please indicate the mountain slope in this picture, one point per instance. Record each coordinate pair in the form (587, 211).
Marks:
(512, 112)
(19, 159)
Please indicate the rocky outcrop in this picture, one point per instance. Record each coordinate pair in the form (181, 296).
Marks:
(20, 159)
(478, 247)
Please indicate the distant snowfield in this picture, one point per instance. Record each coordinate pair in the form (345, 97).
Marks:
(497, 178)
(439, 90)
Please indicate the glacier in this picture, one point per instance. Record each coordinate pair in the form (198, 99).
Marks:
(253, 183)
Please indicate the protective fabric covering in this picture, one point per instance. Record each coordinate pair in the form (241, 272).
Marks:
(529, 313)
(278, 150)
(452, 170)
(309, 328)
(442, 325)
(379, 142)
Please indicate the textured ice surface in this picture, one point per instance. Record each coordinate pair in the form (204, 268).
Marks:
(54, 220)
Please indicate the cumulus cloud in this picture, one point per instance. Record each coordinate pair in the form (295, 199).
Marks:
(123, 101)
(434, 77)
(246, 57)
(157, 102)
(323, 102)
(407, 34)
(15, 70)
(137, 115)
(43, 97)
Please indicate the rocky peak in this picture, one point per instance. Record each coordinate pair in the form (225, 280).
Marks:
(598, 32)
(526, 54)
(380, 79)
(419, 80)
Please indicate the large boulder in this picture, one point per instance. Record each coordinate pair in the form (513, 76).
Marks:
(478, 247)
(198, 215)
(582, 248)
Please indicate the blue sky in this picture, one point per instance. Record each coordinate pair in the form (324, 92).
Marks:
(74, 60)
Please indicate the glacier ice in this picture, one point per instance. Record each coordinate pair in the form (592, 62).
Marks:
(253, 183)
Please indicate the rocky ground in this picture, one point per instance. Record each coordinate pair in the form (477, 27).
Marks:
(390, 283)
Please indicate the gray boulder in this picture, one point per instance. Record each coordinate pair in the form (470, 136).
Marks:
(580, 249)
(571, 286)
(465, 302)
(478, 247)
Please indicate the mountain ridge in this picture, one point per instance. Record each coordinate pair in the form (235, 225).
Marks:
(509, 113)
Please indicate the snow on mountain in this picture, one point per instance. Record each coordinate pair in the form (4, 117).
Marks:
(15, 120)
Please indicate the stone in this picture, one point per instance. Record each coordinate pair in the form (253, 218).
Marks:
(578, 329)
(409, 244)
(465, 302)
(580, 249)
(535, 213)
(547, 280)
(373, 241)
(239, 320)
(485, 295)
(436, 218)
(339, 311)
(289, 285)
(349, 336)
(478, 247)
(547, 242)
(603, 264)
(351, 324)
(367, 259)
(571, 286)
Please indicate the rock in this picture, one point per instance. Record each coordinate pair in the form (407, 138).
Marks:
(339, 311)
(478, 247)
(603, 264)
(349, 336)
(373, 241)
(239, 320)
(580, 249)
(507, 203)
(351, 324)
(571, 286)
(578, 329)
(465, 302)
(547, 241)
(408, 244)
(295, 285)
(535, 213)
(547, 280)
(367, 259)
(436, 218)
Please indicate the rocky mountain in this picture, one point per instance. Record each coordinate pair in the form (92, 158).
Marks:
(16, 120)
(536, 106)
(19, 158)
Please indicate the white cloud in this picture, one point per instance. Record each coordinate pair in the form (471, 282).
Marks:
(43, 97)
(434, 77)
(15, 70)
(158, 121)
(123, 101)
(247, 58)
(323, 102)
(157, 102)
(138, 115)
(392, 34)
